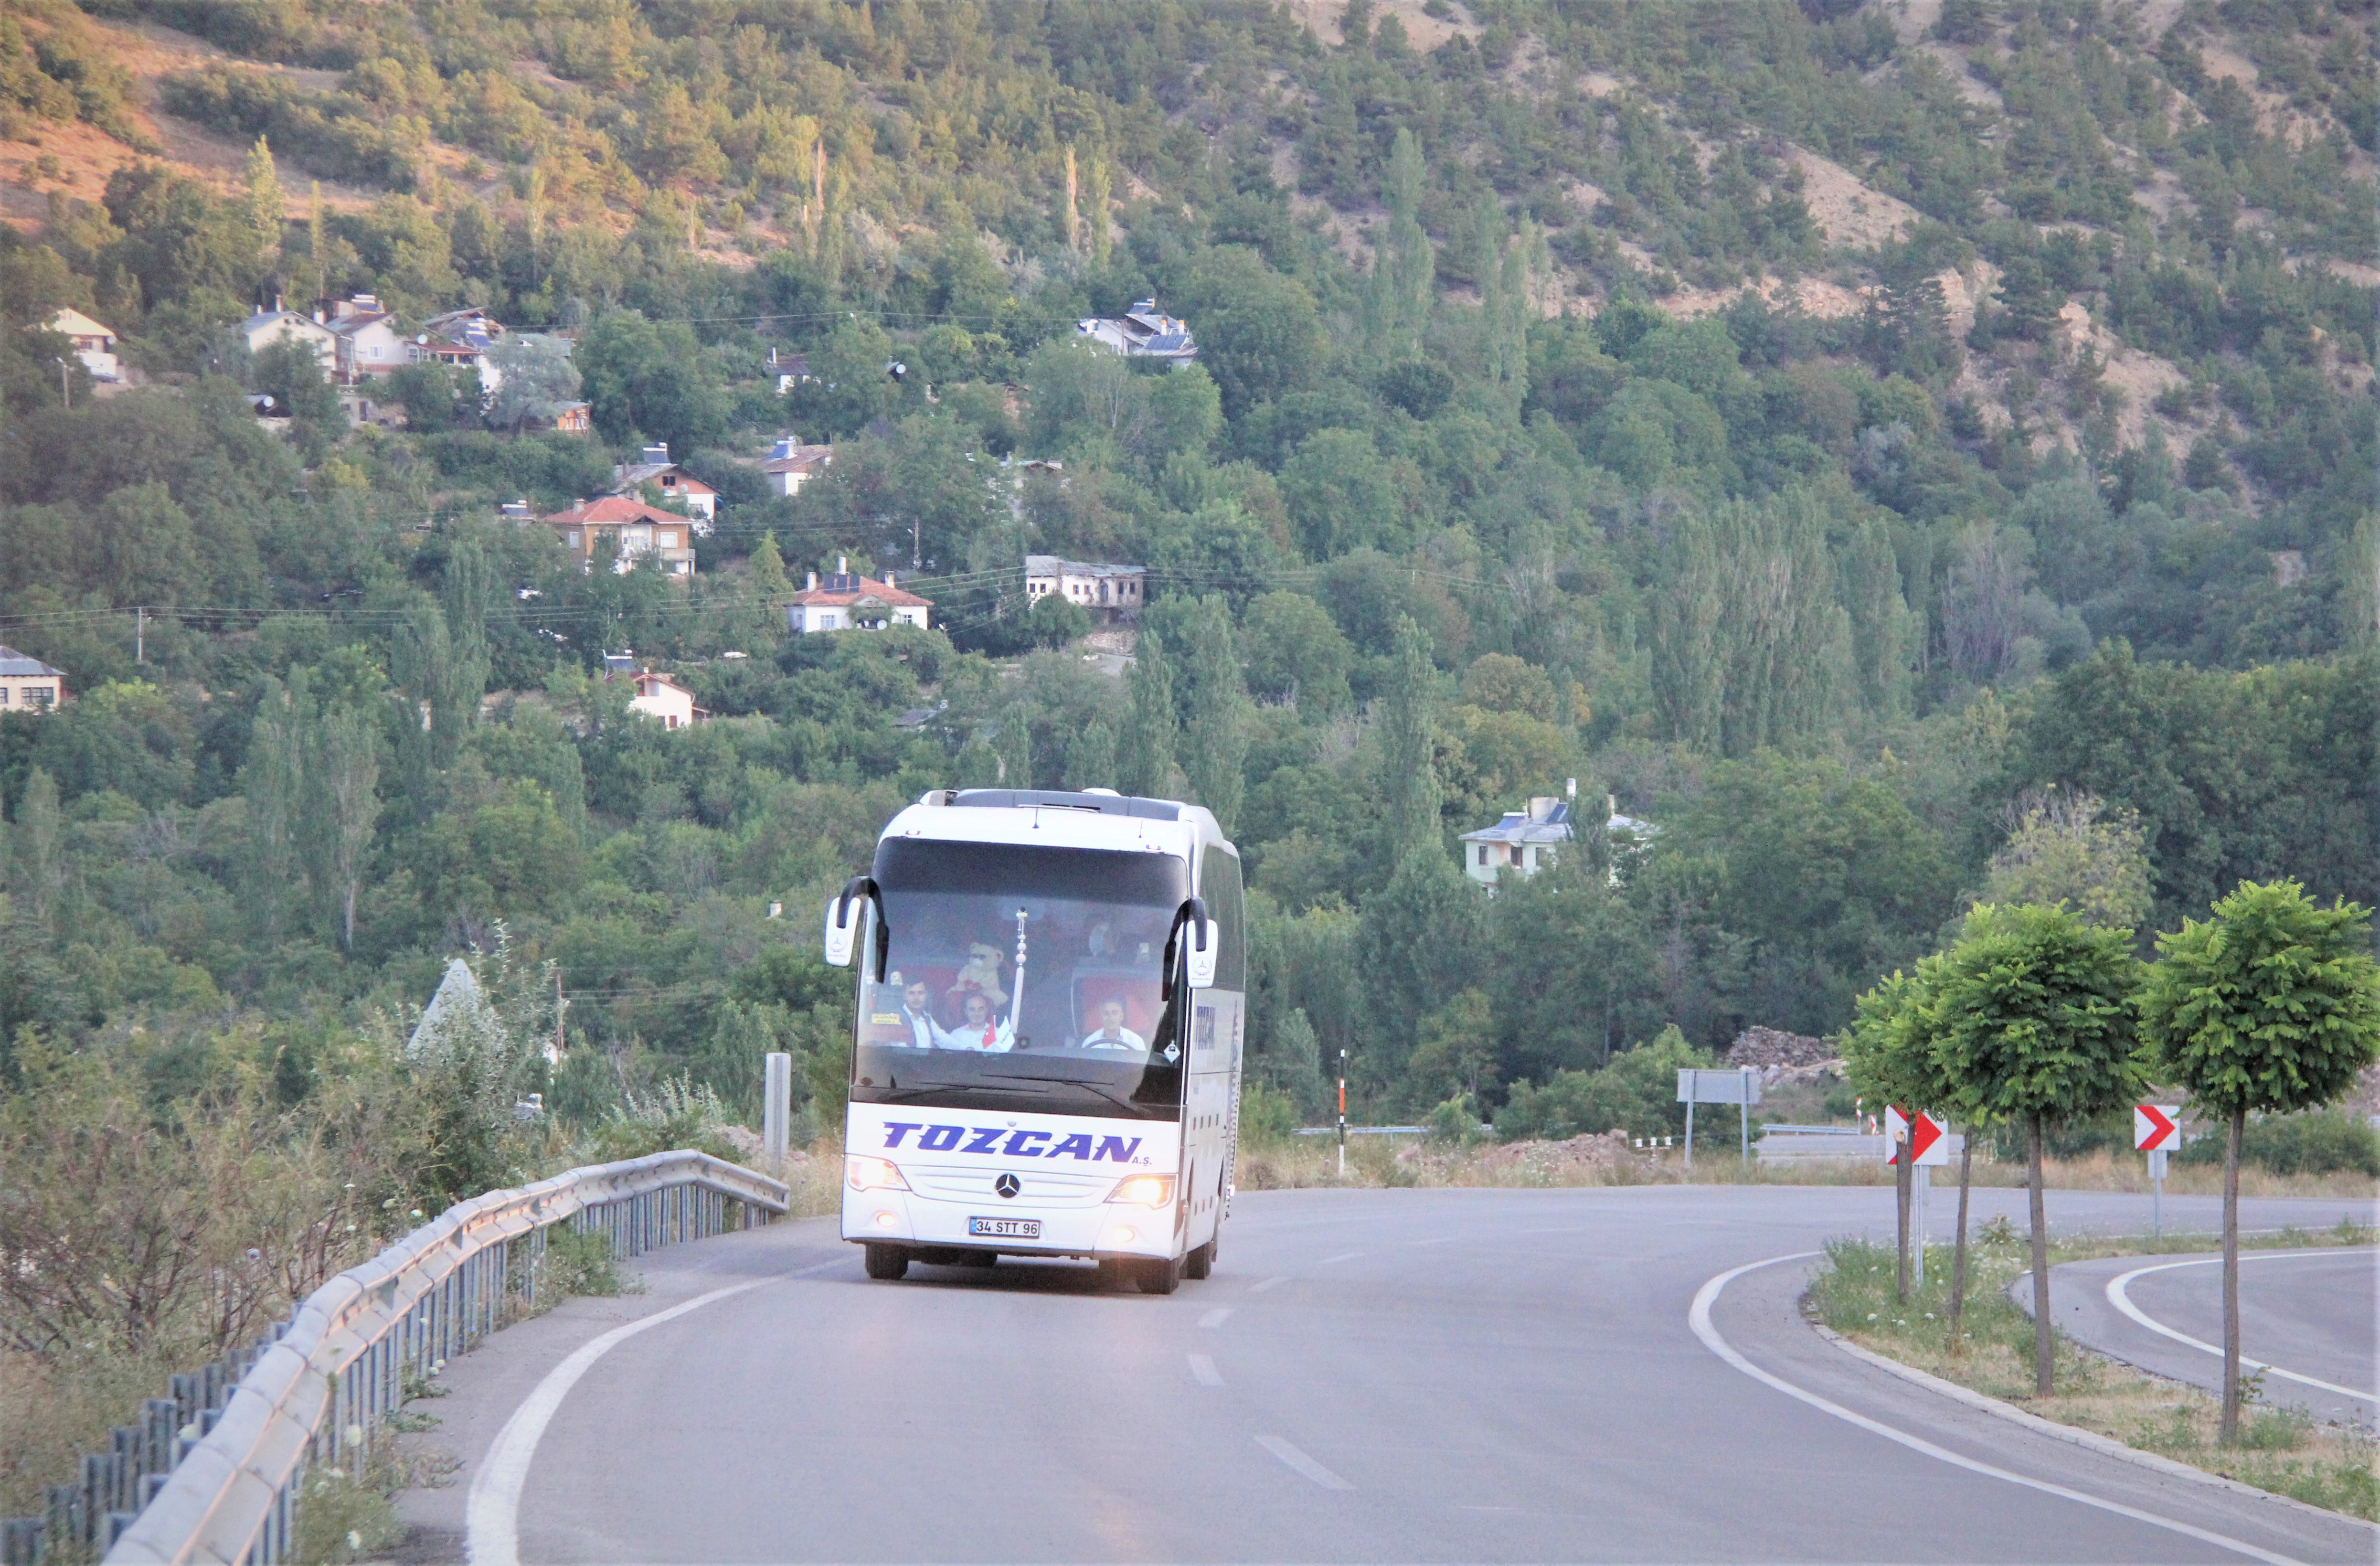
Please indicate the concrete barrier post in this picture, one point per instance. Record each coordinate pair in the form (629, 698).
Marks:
(777, 1107)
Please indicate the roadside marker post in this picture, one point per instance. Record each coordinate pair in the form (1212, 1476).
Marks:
(1921, 1134)
(1343, 1114)
(1740, 1087)
(2155, 1129)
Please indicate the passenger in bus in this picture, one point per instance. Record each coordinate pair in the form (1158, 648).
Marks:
(980, 1030)
(1113, 1034)
(917, 1016)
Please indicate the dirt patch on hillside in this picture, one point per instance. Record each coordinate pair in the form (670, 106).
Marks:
(1852, 214)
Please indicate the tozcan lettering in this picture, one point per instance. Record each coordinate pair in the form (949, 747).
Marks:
(1018, 1143)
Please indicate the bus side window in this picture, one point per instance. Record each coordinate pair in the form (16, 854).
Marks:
(1219, 887)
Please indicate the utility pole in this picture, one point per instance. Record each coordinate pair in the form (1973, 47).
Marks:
(559, 1006)
(916, 542)
(1343, 1114)
(141, 635)
(66, 392)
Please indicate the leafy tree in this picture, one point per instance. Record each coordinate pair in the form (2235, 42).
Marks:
(2068, 848)
(1296, 653)
(530, 375)
(2037, 1029)
(1214, 741)
(650, 380)
(1055, 621)
(1150, 725)
(1409, 732)
(2271, 1005)
(1637, 1094)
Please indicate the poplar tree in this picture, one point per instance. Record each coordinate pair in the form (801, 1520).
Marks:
(2271, 1006)
(36, 868)
(344, 799)
(464, 599)
(1688, 679)
(1408, 737)
(265, 202)
(1091, 759)
(273, 781)
(1147, 759)
(1215, 744)
(1405, 267)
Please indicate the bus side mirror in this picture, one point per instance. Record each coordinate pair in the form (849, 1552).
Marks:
(841, 932)
(1204, 948)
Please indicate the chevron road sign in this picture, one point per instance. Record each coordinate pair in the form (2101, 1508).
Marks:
(2153, 1129)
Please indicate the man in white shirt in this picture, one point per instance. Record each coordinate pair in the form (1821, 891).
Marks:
(1113, 1034)
(980, 1030)
(917, 1016)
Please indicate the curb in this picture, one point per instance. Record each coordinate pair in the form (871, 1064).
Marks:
(2073, 1435)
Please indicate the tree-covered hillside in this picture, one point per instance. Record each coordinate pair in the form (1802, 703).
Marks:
(1812, 425)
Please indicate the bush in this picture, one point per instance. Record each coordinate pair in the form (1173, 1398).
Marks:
(1267, 1118)
(1636, 1093)
(2312, 1142)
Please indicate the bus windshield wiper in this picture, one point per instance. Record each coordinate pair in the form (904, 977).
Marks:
(1138, 1111)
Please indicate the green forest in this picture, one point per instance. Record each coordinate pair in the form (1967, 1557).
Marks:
(1826, 431)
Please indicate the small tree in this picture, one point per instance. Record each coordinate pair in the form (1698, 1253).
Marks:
(2271, 1005)
(1890, 1051)
(2037, 1017)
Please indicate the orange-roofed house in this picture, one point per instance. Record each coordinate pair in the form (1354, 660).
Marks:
(848, 601)
(636, 528)
(658, 696)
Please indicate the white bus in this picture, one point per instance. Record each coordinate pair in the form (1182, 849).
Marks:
(1052, 1001)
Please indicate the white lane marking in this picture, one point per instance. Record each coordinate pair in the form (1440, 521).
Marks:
(492, 1517)
(1303, 1464)
(1266, 1284)
(2121, 1300)
(1330, 1261)
(1216, 1317)
(1204, 1369)
(1699, 1317)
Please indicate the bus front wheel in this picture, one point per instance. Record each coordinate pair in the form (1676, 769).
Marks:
(1199, 1263)
(1159, 1276)
(887, 1261)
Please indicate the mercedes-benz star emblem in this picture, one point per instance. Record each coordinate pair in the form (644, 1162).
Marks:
(1006, 1186)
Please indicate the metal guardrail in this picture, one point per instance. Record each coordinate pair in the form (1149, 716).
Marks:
(1365, 1131)
(213, 1474)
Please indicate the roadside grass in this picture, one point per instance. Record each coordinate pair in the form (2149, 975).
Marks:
(2282, 1449)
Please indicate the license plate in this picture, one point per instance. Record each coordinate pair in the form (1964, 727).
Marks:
(1006, 1228)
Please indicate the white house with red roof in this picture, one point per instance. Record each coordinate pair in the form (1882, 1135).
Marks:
(658, 696)
(368, 340)
(848, 601)
(636, 529)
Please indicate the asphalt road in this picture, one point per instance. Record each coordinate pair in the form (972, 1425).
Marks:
(1424, 1375)
(2312, 1314)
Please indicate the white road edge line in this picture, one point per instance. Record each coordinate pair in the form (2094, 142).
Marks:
(1203, 1368)
(1328, 1261)
(1266, 1284)
(1699, 1317)
(492, 1516)
(2118, 1297)
(1217, 1317)
(1303, 1464)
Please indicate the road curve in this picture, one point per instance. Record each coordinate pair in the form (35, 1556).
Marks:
(1426, 1374)
(2308, 1314)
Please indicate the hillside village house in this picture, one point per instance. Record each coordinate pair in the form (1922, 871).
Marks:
(1142, 331)
(1526, 839)
(459, 339)
(847, 601)
(1110, 592)
(367, 339)
(636, 529)
(93, 344)
(267, 327)
(658, 696)
(653, 466)
(790, 464)
(574, 419)
(28, 684)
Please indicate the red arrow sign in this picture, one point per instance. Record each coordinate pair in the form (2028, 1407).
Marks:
(1923, 1131)
(2154, 1128)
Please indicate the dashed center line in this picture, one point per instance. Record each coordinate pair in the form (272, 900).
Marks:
(1332, 1261)
(1215, 1318)
(1266, 1284)
(1303, 1464)
(1204, 1369)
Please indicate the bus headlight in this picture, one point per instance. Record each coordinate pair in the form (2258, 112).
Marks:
(1143, 1190)
(867, 1174)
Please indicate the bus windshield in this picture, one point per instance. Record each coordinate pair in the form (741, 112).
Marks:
(1022, 978)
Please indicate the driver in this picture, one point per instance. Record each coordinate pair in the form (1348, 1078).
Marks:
(1113, 1034)
(917, 1016)
(980, 1030)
